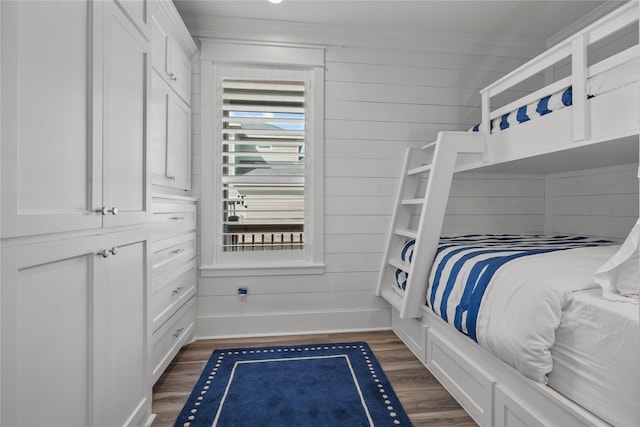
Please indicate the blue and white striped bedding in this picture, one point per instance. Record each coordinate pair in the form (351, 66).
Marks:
(542, 107)
(506, 291)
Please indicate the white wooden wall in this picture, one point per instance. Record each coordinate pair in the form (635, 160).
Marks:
(495, 203)
(383, 93)
(601, 202)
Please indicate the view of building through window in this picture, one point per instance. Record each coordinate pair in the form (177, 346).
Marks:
(263, 161)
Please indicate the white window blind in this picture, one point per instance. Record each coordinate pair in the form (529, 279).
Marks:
(263, 164)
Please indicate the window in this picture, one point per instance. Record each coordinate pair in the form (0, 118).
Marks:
(262, 164)
(263, 131)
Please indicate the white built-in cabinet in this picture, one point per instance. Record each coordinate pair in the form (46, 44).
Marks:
(170, 137)
(75, 223)
(173, 277)
(74, 118)
(173, 237)
(138, 12)
(75, 323)
(171, 51)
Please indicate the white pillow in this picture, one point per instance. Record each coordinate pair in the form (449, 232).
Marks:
(619, 277)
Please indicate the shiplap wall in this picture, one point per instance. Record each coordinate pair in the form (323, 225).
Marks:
(496, 203)
(383, 94)
(601, 202)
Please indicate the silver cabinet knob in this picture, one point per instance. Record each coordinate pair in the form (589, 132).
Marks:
(104, 253)
(172, 76)
(103, 210)
(178, 290)
(171, 177)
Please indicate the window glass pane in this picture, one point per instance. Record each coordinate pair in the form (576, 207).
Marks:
(263, 161)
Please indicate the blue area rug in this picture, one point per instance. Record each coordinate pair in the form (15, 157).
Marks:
(308, 385)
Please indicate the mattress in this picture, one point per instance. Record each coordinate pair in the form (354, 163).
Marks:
(506, 292)
(599, 84)
(595, 357)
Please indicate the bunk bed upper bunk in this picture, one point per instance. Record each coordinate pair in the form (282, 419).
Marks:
(568, 120)
(589, 119)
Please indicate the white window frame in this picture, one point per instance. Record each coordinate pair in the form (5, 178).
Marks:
(216, 55)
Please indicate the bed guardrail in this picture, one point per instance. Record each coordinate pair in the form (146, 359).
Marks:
(575, 48)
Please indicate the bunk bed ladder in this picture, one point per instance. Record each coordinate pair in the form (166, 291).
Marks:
(419, 214)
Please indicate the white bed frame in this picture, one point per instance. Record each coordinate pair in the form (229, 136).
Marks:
(608, 118)
(586, 135)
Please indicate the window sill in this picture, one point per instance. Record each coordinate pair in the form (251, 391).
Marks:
(260, 270)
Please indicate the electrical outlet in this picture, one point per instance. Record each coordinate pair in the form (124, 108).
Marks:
(242, 294)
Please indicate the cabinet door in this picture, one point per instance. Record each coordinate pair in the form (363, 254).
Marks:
(137, 11)
(159, 46)
(179, 146)
(75, 332)
(180, 71)
(126, 81)
(128, 334)
(49, 298)
(169, 136)
(158, 138)
(50, 176)
(170, 60)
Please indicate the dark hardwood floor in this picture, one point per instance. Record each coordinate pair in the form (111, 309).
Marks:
(426, 402)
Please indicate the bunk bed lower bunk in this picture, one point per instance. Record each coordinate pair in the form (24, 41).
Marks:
(579, 366)
(532, 302)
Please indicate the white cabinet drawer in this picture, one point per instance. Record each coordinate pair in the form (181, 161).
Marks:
(470, 385)
(171, 253)
(171, 336)
(172, 290)
(510, 412)
(173, 217)
(177, 220)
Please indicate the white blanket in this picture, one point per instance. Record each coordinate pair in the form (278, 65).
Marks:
(522, 306)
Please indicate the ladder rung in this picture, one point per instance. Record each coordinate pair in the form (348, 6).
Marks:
(412, 201)
(398, 263)
(420, 169)
(406, 233)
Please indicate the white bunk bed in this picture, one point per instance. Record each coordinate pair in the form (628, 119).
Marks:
(595, 131)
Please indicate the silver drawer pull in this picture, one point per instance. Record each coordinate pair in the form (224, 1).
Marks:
(178, 290)
(176, 218)
(177, 333)
(177, 251)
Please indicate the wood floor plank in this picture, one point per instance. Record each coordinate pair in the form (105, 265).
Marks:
(424, 399)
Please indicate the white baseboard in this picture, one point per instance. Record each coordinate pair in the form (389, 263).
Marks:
(257, 325)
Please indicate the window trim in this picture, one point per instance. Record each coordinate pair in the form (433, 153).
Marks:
(216, 53)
